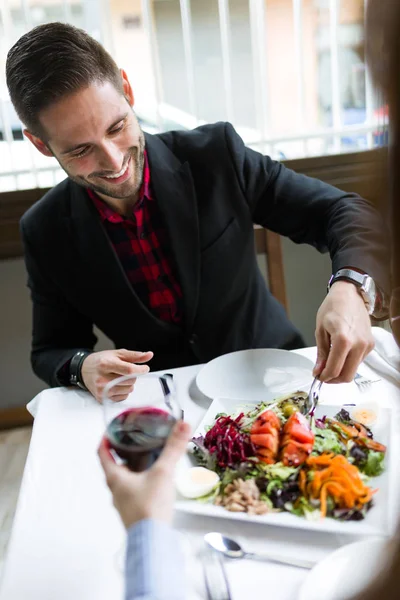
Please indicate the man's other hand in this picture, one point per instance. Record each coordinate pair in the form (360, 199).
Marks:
(99, 368)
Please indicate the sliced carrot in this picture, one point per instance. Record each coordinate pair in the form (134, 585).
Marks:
(334, 476)
(323, 501)
(303, 482)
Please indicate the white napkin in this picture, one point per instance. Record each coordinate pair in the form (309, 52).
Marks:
(58, 395)
(33, 405)
(385, 358)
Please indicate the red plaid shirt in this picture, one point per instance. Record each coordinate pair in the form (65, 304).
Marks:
(142, 246)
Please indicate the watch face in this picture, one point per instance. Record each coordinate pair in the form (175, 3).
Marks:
(368, 290)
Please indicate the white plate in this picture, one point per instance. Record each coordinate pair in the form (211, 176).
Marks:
(346, 572)
(259, 374)
(379, 520)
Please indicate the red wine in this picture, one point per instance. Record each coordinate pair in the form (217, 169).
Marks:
(138, 435)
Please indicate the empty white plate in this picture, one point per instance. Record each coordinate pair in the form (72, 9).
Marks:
(256, 375)
(346, 572)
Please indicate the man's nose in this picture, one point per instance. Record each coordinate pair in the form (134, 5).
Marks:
(111, 158)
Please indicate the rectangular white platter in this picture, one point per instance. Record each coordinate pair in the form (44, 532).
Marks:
(379, 518)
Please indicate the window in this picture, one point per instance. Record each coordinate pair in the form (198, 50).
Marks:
(289, 74)
(21, 166)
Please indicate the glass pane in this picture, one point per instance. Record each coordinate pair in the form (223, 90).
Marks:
(296, 44)
(16, 18)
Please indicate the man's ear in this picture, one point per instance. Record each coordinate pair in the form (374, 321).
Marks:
(127, 88)
(38, 143)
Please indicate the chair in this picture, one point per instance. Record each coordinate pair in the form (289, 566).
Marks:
(15, 417)
(269, 244)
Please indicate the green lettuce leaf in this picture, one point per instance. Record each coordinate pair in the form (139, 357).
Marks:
(279, 471)
(327, 440)
(374, 465)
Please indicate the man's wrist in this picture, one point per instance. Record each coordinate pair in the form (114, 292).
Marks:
(374, 298)
(346, 287)
(75, 368)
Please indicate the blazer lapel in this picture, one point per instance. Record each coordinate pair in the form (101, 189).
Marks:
(175, 195)
(102, 269)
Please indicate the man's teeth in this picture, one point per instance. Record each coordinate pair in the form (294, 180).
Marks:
(122, 172)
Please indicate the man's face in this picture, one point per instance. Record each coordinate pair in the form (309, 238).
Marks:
(97, 140)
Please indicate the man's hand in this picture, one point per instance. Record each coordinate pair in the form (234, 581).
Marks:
(149, 494)
(100, 368)
(343, 334)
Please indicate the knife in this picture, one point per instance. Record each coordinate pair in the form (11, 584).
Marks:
(215, 576)
(167, 384)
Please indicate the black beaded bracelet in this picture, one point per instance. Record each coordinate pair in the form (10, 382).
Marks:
(75, 366)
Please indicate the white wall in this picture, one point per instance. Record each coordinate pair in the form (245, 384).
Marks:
(306, 276)
(17, 382)
(307, 273)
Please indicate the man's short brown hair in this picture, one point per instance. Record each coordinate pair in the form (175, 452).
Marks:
(50, 62)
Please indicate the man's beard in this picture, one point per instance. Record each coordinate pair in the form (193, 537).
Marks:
(127, 189)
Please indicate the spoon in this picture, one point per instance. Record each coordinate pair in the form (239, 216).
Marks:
(232, 549)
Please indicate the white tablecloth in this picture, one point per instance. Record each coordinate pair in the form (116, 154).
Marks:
(67, 540)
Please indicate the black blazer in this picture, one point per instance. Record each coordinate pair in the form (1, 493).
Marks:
(211, 189)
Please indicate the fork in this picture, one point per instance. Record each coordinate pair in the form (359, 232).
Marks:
(364, 383)
(313, 398)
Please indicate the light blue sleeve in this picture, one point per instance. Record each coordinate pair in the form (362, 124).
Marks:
(155, 568)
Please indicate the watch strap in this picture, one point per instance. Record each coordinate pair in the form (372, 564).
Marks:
(347, 275)
(75, 367)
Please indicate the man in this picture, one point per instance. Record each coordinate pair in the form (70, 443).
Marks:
(151, 237)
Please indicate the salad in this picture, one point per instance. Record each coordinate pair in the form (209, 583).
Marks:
(271, 458)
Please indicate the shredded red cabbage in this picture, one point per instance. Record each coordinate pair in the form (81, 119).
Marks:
(228, 442)
(320, 423)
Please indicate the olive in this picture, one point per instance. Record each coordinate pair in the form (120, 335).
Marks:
(288, 410)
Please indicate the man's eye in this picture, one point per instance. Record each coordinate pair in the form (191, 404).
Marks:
(81, 152)
(117, 128)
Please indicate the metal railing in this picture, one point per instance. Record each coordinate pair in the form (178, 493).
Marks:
(22, 166)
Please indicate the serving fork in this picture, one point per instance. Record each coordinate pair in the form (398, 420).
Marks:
(313, 397)
(363, 383)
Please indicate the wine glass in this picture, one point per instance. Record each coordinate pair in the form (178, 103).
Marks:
(138, 427)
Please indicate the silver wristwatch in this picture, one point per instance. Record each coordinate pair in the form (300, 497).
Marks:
(373, 297)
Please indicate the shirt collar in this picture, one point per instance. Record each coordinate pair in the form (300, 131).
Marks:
(108, 214)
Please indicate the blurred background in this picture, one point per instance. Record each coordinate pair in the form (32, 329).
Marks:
(289, 74)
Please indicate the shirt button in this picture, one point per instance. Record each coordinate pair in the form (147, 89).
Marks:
(143, 235)
(193, 340)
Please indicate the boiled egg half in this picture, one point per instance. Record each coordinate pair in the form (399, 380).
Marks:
(366, 413)
(196, 482)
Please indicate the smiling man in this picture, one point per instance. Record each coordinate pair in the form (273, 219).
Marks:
(150, 237)
(110, 164)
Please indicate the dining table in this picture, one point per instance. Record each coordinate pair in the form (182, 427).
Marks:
(68, 542)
